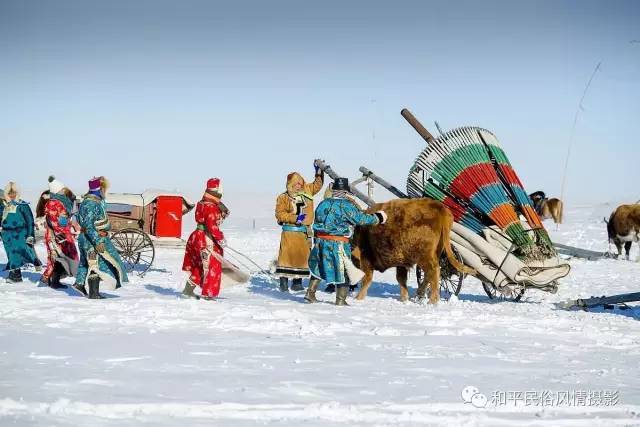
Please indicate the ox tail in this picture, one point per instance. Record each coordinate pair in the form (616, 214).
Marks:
(446, 245)
(611, 232)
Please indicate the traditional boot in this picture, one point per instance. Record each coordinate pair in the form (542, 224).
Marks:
(15, 276)
(284, 284)
(187, 292)
(80, 288)
(54, 280)
(330, 289)
(297, 285)
(94, 288)
(341, 295)
(43, 280)
(310, 296)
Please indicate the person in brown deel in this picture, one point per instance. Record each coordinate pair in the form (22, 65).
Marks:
(294, 212)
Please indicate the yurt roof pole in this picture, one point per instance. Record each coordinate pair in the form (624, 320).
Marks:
(392, 189)
(573, 131)
(360, 195)
(422, 131)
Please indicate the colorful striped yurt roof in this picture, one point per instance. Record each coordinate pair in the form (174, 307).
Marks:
(467, 169)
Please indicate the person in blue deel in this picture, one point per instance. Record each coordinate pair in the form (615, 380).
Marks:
(330, 259)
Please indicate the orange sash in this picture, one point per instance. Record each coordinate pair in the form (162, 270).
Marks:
(325, 236)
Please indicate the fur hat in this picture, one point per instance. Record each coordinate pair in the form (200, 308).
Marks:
(98, 183)
(214, 187)
(94, 184)
(11, 187)
(292, 179)
(55, 185)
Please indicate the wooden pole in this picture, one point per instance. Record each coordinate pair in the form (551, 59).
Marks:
(415, 123)
(392, 189)
(360, 195)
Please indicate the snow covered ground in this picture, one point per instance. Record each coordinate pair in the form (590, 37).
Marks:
(257, 357)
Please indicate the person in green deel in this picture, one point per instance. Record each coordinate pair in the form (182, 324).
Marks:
(18, 233)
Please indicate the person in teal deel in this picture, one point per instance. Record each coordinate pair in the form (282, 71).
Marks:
(335, 220)
(18, 233)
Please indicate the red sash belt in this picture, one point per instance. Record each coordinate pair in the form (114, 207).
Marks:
(325, 236)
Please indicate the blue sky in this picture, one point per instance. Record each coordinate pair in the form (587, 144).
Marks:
(165, 94)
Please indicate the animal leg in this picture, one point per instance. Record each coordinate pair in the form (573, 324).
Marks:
(433, 274)
(627, 249)
(366, 281)
(618, 244)
(422, 285)
(401, 276)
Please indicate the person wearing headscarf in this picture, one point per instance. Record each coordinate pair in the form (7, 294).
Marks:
(18, 232)
(335, 220)
(294, 213)
(204, 250)
(99, 259)
(59, 236)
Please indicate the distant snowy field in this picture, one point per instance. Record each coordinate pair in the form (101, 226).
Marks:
(259, 357)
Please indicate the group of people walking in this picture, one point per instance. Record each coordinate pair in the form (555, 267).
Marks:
(77, 242)
(314, 244)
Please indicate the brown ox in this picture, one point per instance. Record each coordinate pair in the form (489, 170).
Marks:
(624, 226)
(416, 232)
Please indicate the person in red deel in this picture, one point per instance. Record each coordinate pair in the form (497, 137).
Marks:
(204, 267)
(59, 235)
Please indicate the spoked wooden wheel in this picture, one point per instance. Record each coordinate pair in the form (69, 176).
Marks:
(450, 278)
(135, 248)
(513, 293)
